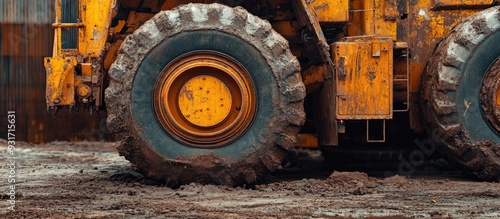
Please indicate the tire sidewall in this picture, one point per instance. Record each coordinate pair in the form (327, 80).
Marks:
(142, 110)
(469, 88)
(279, 86)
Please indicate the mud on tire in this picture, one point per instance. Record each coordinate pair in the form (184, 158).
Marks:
(148, 50)
(451, 90)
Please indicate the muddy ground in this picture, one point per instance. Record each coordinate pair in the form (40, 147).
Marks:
(90, 180)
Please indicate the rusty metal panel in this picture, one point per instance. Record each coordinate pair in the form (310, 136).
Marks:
(364, 78)
(331, 11)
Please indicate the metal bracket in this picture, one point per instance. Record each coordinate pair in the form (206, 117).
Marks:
(368, 132)
(68, 25)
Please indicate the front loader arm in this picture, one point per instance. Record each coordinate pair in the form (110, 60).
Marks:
(75, 74)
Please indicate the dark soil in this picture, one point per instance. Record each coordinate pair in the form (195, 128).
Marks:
(90, 180)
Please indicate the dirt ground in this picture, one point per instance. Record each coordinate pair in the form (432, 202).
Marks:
(90, 180)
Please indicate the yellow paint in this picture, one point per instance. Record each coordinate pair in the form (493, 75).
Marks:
(364, 78)
(60, 88)
(86, 69)
(362, 18)
(386, 19)
(307, 141)
(205, 101)
(390, 10)
(437, 26)
(97, 16)
(329, 11)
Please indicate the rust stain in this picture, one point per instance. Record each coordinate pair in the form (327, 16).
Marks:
(187, 93)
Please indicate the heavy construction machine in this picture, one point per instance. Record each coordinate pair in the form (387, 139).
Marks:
(218, 91)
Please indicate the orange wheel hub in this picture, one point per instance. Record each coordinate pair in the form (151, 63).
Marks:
(490, 95)
(205, 99)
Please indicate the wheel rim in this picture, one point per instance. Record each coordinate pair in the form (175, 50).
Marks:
(490, 96)
(205, 99)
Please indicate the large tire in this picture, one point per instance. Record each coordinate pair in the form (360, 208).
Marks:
(231, 32)
(451, 95)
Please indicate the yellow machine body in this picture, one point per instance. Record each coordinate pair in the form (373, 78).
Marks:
(368, 54)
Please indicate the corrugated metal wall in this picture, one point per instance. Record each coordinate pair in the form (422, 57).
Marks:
(26, 38)
(26, 11)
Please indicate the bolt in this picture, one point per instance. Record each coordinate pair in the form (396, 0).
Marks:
(238, 108)
(57, 101)
(188, 115)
